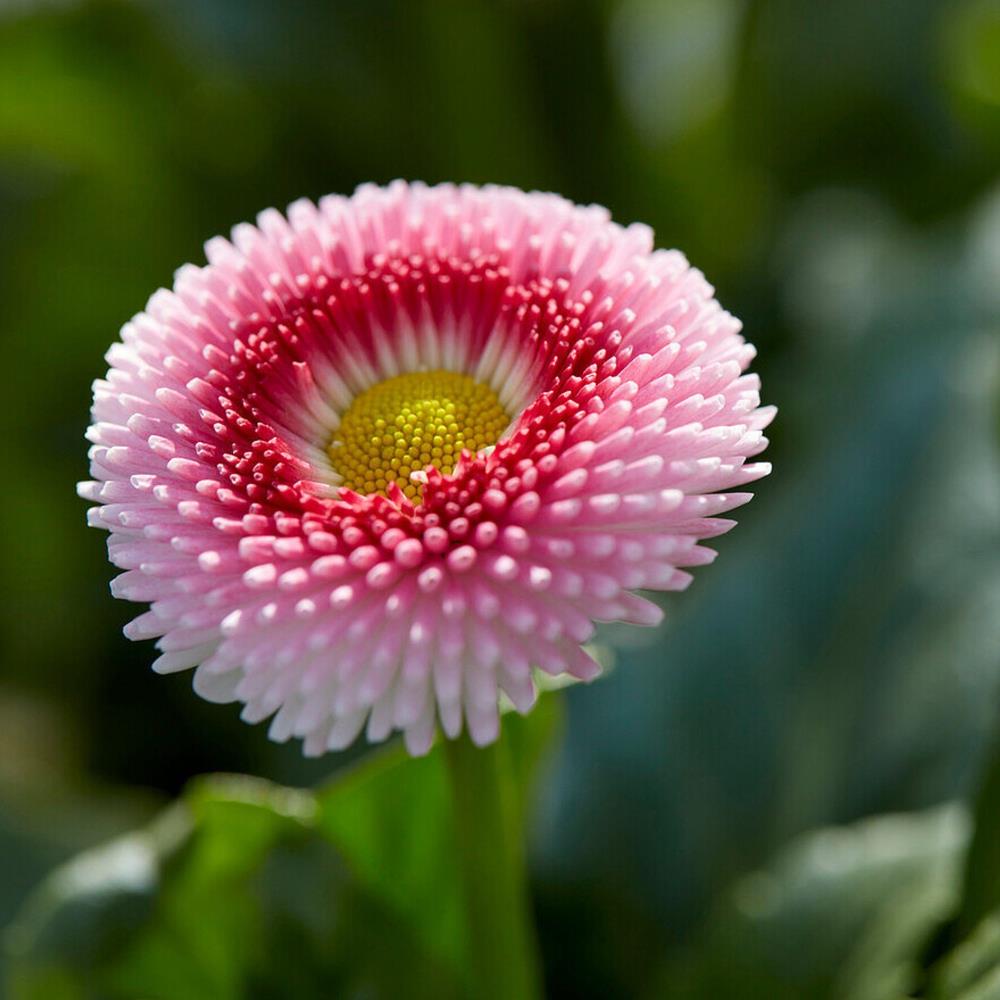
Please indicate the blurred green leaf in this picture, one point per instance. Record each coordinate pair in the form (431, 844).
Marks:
(840, 915)
(972, 970)
(249, 889)
(981, 891)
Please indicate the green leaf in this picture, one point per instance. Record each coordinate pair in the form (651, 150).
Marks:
(971, 971)
(981, 890)
(840, 915)
(248, 889)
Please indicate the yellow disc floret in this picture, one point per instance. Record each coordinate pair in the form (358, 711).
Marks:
(406, 423)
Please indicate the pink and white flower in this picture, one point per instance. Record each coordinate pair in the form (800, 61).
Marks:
(385, 457)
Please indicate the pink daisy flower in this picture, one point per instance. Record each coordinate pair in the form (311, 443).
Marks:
(383, 459)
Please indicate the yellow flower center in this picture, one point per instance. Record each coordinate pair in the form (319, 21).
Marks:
(408, 422)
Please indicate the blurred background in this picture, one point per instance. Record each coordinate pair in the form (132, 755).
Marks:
(715, 807)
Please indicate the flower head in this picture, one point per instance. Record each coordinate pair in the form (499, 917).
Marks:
(380, 460)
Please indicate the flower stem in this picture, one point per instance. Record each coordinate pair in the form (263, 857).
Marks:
(502, 949)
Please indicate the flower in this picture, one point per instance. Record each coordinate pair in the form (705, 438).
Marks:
(380, 460)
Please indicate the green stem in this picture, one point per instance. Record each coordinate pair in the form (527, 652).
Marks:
(502, 949)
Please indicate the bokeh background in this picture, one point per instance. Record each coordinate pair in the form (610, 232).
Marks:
(835, 171)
